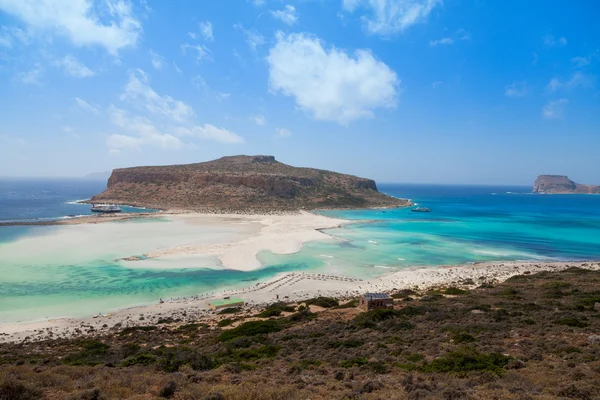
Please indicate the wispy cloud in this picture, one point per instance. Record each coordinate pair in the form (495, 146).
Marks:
(554, 109)
(73, 67)
(31, 77)
(385, 17)
(206, 30)
(460, 35)
(578, 79)
(282, 133)
(84, 105)
(260, 120)
(201, 52)
(140, 93)
(222, 96)
(436, 84)
(157, 61)
(287, 15)
(550, 40)
(253, 38)
(516, 89)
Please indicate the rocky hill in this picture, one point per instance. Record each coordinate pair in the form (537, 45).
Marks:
(241, 184)
(561, 184)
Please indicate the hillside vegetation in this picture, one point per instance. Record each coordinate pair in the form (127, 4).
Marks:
(532, 337)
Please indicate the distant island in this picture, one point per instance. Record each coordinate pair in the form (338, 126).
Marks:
(561, 184)
(250, 184)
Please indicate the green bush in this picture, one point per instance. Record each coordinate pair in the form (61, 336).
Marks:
(251, 328)
(93, 353)
(230, 310)
(358, 361)
(12, 390)
(325, 302)
(455, 291)
(350, 304)
(463, 338)
(467, 360)
(572, 322)
(403, 294)
(140, 359)
(225, 322)
(348, 344)
(370, 319)
(268, 351)
(133, 329)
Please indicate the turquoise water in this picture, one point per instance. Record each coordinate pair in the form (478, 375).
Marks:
(467, 224)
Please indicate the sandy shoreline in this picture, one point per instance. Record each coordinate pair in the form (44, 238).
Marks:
(289, 287)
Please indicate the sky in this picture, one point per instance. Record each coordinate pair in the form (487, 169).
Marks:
(415, 91)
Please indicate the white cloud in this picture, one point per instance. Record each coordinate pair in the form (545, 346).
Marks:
(282, 133)
(31, 77)
(206, 30)
(73, 67)
(84, 105)
(436, 84)
(10, 36)
(554, 109)
(386, 17)
(578, 79)
(580, 62)
(192, 35)
(113, 26)
(176, 67)
(201, 51)
(260, 120)
(257, 3)
(157, 61)
(253, 38)
(139, 92)
(460, 35)
(550, 40)
(329, 84)
(287, 15)
(222, 96)
(144, 131)
(210, 132)
(446, 40)
(516, 89)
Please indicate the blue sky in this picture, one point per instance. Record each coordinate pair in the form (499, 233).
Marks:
(427, 91)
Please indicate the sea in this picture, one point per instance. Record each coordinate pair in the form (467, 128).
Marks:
(467, 224)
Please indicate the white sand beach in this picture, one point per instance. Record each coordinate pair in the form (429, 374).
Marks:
(289, 287)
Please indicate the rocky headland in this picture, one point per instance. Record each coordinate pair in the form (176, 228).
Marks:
(561, 184)
(242, 184)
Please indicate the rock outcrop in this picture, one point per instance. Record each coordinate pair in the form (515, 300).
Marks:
(242, 184)
(561, 184)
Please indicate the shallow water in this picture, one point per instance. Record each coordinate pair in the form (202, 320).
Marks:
(51, 271)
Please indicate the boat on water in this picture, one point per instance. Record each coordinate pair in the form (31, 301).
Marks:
(421, 209)
(106, 208)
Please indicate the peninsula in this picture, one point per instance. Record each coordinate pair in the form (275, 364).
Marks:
(561, 184)
(248, 184)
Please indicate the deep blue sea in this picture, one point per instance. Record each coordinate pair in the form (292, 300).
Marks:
(52, 271)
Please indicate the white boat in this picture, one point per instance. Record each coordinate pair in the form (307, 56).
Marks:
(106, 208)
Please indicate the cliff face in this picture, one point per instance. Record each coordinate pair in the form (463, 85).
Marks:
(560, 184)
(241, 183)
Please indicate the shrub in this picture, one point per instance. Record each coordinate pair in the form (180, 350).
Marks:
(325, 302)
(140, 359)
(349, 344)
(17, 391)
(94, 353)
(251, 328)
(358, 361)
(370, 319)
(403, 293)
(225, 322)
(275, 310)
(455, 291)
(572, 322)
(169, 390)
(304, 315)
(467, 360)
(351, 304)
(230, 310)
(268, 351)
(463, 338)
(133, 329)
